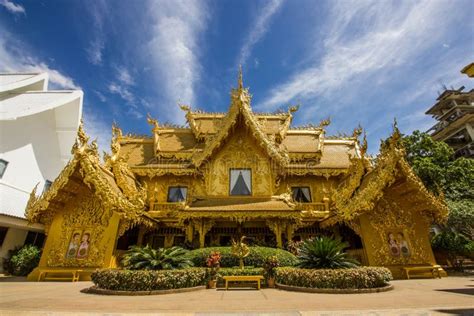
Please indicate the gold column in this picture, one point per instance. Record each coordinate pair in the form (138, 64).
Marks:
(290, 229)
(189, 232)
(203, 226)
(169, 241)
(141, 234)
(276, 227)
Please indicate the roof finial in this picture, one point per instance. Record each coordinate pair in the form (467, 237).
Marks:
(241, 82)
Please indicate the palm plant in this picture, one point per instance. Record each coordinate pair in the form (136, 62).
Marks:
(147, 258)
(324, 253)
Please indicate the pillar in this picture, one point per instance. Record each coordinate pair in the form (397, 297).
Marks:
(141, 234)
(203, 226)
(276, 227)
(189, 233)
(290, 229)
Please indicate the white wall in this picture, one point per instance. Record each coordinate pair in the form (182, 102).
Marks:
(30, 145)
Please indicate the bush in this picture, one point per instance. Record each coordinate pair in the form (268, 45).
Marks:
(147, 258)
(142, 280)
(355, 278)
(256, 258)
(269, 266)
(21, 261)
(324, 253)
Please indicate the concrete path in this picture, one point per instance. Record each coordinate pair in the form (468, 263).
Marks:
(448, 296)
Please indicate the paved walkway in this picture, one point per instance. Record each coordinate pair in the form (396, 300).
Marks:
(448, 296)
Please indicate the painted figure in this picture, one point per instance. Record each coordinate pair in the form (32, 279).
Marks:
(403, 245)
(73, 245)
(84, 247)
(394, 246)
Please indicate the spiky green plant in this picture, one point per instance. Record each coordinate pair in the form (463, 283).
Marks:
(147, 258)
(325, 253)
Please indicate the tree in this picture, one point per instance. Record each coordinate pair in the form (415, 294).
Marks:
(441, 172)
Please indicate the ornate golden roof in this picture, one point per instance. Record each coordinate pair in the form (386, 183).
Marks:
(365, 186)
(116, 188)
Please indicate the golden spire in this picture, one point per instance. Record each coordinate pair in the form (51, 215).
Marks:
(240, 80)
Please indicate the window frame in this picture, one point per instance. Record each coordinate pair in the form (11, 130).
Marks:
(47, 185)
(174, 187)
(302, 186)
(251, 182)
(5, 163)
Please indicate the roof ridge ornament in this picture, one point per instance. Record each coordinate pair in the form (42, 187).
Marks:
(240, 84)
(293, 109)
(82, 139)
(153, 122)
(325, 122)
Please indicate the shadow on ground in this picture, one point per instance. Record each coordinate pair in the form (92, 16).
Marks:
(460, 312)
(459, 291)
(13, 279)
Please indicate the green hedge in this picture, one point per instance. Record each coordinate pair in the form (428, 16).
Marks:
(256, 258)
(142, 280)
(355, 278)
(22, 260)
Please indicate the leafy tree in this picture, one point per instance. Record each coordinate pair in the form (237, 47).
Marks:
(440, 171)
(147, 258)
(436, 166)
(324, 253)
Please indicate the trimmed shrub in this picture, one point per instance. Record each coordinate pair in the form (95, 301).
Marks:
(21, 261)
(143, 280)
(354, 278)
(256, 258)
(324, 253)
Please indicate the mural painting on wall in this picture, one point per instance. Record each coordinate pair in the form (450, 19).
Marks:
(398, 244)
(79, 244)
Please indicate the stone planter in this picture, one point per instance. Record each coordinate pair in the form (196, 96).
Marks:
(271, 282)
(211, 284)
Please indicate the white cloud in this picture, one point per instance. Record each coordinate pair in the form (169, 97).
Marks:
(123, 75)
(15, 57)
(259, 28)
(12, 7)
(97, 128)
(123, 92)
(365, 38)
(174, 49)
(99, 11)
(94, 51)
(101, 96)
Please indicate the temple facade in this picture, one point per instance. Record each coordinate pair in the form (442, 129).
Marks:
(230, 174)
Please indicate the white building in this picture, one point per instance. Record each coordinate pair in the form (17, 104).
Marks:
(37, 130)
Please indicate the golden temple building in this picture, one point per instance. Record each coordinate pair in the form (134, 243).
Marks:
(225, 175)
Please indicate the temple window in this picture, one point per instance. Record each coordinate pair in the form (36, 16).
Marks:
(240, 182)
(47, 185)
(301, 194)
(3, 167)
(177, 194)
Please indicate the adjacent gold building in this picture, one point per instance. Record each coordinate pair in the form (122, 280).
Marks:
(231, 174)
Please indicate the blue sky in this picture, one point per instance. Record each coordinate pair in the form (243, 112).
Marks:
(358, 62)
